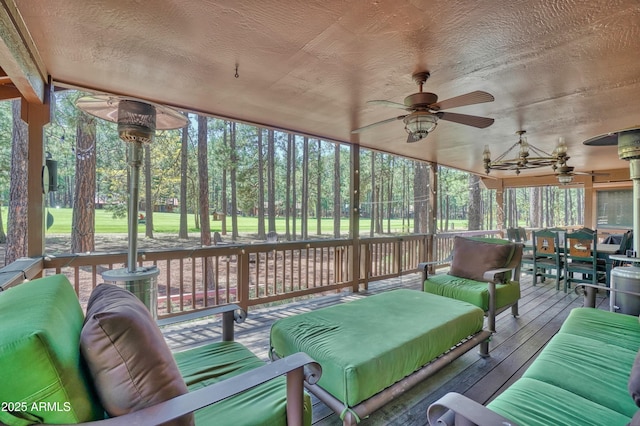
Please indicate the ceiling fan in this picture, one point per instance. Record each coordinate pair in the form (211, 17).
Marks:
(562, 170)
(425, 110)
(565, 173)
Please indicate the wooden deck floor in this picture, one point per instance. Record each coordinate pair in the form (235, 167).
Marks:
(513, 347)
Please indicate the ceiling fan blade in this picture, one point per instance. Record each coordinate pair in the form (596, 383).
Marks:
(591, 173)
(389, 104)
(388, 120)
(469, 120)
(471, 98)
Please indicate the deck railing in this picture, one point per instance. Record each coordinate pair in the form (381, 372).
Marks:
(252, 274)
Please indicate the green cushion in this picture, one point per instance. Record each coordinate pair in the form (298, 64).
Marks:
(568, 361)
(581, 375)
(609, 327)
(534, 403)
(474, 292)
(368, 344)
(264, 404)
(39, 357)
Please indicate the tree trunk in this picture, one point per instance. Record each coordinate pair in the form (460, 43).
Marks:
(305, 189)
(203, 182)
(83, 217)
(17, 216)
(261, 232)
(148, 195)
(203, 173)
(392, 163)
(319, 191)
(3, 235)
(475, 200)
(420, 198)
(223, 197)
(234, 184)
(271, 181)
(287, 202)
(535, 207)
(183, 233)
(294, 184)
(374, 200)
(337, 204)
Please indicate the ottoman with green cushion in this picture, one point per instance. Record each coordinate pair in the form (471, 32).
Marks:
(233, 358)
(369, 344)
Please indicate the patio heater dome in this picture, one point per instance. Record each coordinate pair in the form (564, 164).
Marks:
(137, 121)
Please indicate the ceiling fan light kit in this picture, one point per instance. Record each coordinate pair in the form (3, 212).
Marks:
(419, 125)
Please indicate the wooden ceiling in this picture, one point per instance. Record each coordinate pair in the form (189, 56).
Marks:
(556, 68)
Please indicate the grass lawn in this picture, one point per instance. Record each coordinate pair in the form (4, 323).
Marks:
(170, 223)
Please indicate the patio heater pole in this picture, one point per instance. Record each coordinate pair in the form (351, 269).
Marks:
(135, 161)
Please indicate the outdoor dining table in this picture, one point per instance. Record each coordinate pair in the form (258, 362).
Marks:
(603, 251)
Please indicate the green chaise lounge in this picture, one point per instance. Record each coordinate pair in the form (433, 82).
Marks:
(484, 272)
(59, 367)
(374, 348)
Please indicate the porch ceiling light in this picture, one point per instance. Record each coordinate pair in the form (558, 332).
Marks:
(527, 156)
(565, 179)
(419, 124)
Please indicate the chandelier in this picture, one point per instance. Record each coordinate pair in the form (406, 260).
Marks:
(525, 156)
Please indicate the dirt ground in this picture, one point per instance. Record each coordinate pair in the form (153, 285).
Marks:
(106, 243)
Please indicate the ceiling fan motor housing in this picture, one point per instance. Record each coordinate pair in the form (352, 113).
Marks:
(420, 100)
(136, 121)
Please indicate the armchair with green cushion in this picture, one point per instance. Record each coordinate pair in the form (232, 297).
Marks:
(113, 367)
(484, 272)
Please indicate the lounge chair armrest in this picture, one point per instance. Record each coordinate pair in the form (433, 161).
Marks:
(456, 409)
(297, 367)
(490, 275)
(424, 266)
(230, 313)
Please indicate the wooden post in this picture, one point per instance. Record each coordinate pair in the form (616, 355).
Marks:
(354, 216)
(500, 202)
(36, 116)
(243, 279)
(589, 205)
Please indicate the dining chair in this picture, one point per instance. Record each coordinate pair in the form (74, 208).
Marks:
(526, 264)
(581, 263)
(522, 234)
(547, 256)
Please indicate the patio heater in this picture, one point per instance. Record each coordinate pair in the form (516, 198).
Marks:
(137, 122)
(627, 278)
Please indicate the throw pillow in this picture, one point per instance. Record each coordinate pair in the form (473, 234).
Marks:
(472, 258)
(634, 380)
(128, 358)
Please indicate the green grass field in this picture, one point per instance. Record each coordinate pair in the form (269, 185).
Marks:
(170, 223)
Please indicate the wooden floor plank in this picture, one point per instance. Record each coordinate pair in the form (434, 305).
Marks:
(542, 310)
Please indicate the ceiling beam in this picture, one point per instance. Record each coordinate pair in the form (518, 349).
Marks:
(19, 57)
